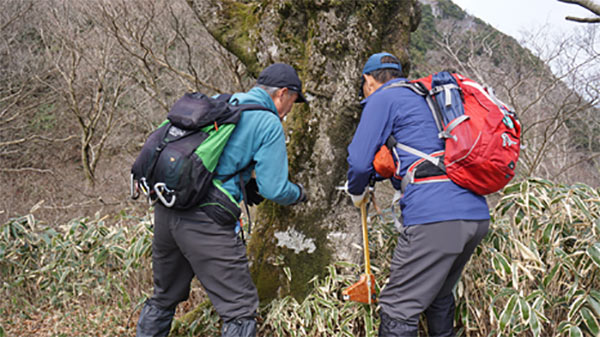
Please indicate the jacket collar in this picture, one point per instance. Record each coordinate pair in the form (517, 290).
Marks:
(393, 80)
(256, 95)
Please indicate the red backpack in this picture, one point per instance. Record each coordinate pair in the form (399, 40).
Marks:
(481, 133)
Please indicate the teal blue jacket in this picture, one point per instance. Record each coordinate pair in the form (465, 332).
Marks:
(257, 143)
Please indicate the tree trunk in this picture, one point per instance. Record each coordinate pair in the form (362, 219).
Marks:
(328, 42)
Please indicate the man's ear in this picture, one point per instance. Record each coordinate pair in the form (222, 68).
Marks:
(371, 85)
(278, 95)
(282, 92)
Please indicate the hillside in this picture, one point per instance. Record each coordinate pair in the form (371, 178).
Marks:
(64, 156)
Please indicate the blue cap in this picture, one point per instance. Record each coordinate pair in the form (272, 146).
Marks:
(374, 63)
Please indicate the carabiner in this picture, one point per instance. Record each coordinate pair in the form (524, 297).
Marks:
(159, 188)
(144, 186)
(133, 191)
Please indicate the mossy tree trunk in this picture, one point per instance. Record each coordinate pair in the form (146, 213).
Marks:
(327, 41)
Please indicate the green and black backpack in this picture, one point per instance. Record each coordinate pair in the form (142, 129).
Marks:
(178, 160)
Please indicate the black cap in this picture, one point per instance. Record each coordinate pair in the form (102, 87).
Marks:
(282, 75)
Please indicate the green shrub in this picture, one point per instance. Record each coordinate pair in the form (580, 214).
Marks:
(82, 267)
(82, 259)
(536, 273)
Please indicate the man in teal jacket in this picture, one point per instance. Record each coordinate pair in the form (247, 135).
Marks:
(202, 242)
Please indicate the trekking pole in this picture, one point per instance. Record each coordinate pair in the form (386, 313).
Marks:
(363, 218)
(363, 291)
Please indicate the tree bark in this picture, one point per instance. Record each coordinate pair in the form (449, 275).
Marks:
(328, 42)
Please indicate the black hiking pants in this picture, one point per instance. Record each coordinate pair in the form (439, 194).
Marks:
(427, 263)
(200, 242)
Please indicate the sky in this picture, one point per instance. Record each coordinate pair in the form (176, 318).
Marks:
(513, 17)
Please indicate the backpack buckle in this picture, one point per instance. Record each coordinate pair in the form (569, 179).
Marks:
(507, 141)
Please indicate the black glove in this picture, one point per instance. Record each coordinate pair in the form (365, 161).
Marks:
(303, 197)
(254, 198)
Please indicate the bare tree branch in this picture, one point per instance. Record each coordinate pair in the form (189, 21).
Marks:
(16, 16)
(26, 169)
(583, 20)
(33, 137)
(587, 4)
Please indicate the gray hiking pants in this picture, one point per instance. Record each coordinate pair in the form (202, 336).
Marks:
(200, 242)
(426, 264)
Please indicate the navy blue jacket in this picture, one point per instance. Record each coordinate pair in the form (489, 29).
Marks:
(401, 112)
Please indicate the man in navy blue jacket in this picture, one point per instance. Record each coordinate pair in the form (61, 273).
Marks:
(442, 223)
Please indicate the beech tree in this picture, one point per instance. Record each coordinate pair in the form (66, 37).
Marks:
(221, 46)
(328, 43)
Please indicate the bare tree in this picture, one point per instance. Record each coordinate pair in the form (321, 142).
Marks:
(20, 93)
(184, 57)
(92, 84)
(30, 127)
(587, 4)
(83, 83)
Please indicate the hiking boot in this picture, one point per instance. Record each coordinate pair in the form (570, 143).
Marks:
(390, 327)
(239, 328)
(154, 321)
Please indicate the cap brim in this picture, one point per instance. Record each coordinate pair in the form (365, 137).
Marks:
(301, 98)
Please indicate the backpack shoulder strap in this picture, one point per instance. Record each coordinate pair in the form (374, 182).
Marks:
(224, 97)
(241, 107)
(245, 197)
(421, 90)
(417, 87)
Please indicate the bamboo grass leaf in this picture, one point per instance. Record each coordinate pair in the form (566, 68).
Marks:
(511, 188)
(574, 331)
(575, 307)
(288, 273)
(582, 207)
(593, 252)
(515, 276)
(595, 304)
(507, 313)
(590, 321)
(534, 324)
(525, 310)
(527, 253)
(548, 278)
